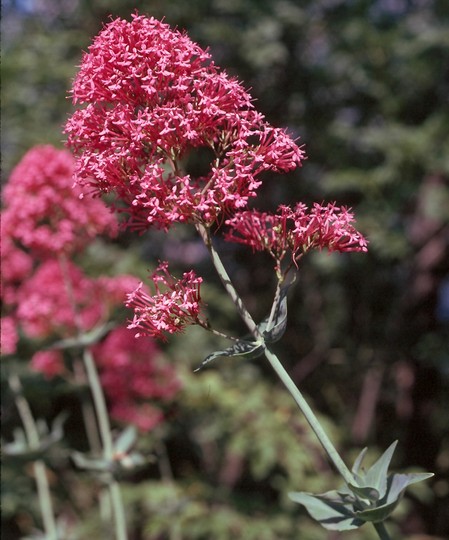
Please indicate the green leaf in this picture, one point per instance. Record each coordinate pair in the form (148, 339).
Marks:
(376, 476)
(379, 513)
(273, 327)
(358, 462)
(397, 483)
(125, 440)
(84, 340)
(369, 493)
(396, 486)
(332, 510)
(90, 463)
(247, 349)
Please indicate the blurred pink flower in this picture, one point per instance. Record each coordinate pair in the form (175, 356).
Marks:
(151, 96)
(49, 363)
(16, 266)
(173, 306)
(136, 380)
(8, 335)
(296, 230)
(62, 300)
(44, 212)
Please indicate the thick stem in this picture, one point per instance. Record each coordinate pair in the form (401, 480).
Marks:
(40, 474)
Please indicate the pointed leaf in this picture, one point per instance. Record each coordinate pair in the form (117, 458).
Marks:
(84, 340)
(397, 484)
(376, 476)
(248, 349)
(331, 510)
(274, 326)
(89, 463)
(359, 460)
(379, 513)
(125, 440)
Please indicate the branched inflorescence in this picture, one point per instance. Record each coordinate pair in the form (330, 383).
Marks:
(150, 97)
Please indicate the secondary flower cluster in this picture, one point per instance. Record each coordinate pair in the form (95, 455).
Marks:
(296, 230)
(171, 308)
(45, 296)
(150, 97)
(59, 300)
(45, 212)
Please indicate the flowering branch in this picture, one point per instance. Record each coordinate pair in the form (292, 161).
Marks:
(275, 362)
(149, 97)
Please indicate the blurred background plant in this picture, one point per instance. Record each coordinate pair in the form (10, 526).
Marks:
(365, 85)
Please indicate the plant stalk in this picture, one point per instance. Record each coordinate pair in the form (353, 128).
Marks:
(106, 439)
(40, 474)
(276, 364)
(101, 411)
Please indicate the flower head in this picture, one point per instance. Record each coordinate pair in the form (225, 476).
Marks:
(44, 212)
(175, 304)
(61, 300)
(151, 96)
(296, 230)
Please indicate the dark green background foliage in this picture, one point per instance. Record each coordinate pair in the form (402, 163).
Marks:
(365, 84)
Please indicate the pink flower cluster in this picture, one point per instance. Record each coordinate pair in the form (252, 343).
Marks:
(44, 212)
(46, 296)
(150, 97)
(171, 308)
(60, 300)
(136, 379)
(296, 230)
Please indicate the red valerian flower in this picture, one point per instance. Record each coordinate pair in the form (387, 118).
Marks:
(175, 304)
(16, 266)
(44, 212)
(150, 97)
(150, 381)
(61, 300)
(49, 363)
(296, 230)
(8, 335)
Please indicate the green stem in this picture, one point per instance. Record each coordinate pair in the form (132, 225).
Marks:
(382, 531)
(276, 364)
(101, 414)
(40, 474)
(106, 439)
